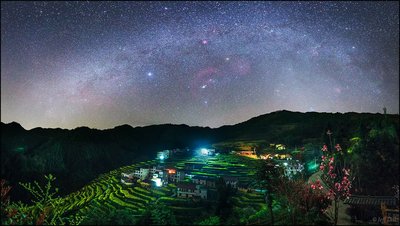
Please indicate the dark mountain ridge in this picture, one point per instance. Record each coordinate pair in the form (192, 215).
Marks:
(77, 156)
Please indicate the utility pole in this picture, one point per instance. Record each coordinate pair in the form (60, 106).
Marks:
(330, 140)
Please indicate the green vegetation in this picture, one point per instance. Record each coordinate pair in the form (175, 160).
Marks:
(44, 209)
(210, 221)
(374, 157)
(105, 200)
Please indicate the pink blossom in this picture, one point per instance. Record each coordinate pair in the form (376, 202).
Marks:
(324, 148)
(338, 148)
(338, 186)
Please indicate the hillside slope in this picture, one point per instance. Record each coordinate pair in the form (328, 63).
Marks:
(79, 155)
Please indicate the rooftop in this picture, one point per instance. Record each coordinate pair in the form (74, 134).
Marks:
(200, 177)
(186, 186)
(230, 178)
(370, 200)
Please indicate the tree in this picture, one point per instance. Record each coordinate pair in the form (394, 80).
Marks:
(157, 214)
(268, 175)
(302, 201)
(335, 175)
(224, 208)
(374, 154)
(110, 216)
(44, 209)
(5, 200)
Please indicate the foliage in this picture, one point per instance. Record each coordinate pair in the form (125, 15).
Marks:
(5, 199)
(214, 220)
(157, 214)
(303, 204)
(335, 175)
(224, 207)
(375, 158)
(44, 208)
(110, 216)
(268, 176)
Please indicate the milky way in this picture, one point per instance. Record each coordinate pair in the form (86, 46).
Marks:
(103, 64)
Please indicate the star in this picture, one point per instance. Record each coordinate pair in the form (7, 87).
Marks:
(138, 59)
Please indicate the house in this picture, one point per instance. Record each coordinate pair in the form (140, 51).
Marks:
(230, 180)
(127, 179)
(142, 173)
(266, 156)
(163, 154)
(244, 186)
(207, 152)
(191, 191)
(177, 176)
(282, 156)
(365, 208)
(157, 169)
(179, 152)
(204, 180)
(292, 168)
(250, 154)
(210, 183)
(280, 147)
(201, 191)
(186, 190)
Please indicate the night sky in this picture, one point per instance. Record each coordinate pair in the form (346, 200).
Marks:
(103, 64)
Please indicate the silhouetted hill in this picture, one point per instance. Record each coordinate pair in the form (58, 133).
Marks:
(294, 128)
(79, 155)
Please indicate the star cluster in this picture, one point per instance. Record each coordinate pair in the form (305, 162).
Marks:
(102, 64)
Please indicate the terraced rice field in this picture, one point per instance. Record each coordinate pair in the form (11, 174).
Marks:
(107, 192)
(244, 199)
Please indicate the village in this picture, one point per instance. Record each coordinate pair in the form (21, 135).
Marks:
(197, 179)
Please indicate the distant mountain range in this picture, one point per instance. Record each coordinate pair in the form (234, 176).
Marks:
(79, 155)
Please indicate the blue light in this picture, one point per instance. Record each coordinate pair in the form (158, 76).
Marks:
(204, 151)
